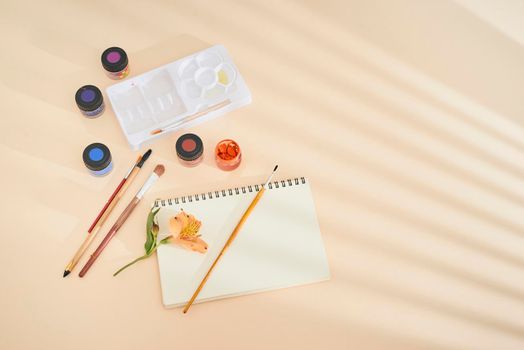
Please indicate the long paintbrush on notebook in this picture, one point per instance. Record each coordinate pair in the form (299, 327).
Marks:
(280, 245)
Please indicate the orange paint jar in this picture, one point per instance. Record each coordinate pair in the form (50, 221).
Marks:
(228, 155)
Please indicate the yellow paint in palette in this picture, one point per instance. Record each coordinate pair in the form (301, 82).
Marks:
(222, 77)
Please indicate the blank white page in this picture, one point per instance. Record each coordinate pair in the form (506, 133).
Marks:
(279, 246)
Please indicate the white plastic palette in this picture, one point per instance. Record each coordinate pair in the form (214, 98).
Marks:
(178, 95)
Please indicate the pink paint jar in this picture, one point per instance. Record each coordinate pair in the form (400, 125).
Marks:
(115, 62)
(190, 150)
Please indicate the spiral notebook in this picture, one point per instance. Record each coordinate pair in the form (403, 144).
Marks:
(279, 246)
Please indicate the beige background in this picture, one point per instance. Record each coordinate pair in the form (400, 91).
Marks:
(406, 115)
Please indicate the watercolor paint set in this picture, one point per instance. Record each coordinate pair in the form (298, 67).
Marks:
(178, 95)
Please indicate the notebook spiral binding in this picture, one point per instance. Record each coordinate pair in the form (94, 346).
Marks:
(228, 192)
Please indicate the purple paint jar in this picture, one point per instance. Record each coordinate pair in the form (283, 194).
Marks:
(90, 101)
(115, 62)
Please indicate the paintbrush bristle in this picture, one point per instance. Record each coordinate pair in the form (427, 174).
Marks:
(159, 169)
(144, 158)
(147, 154)
(276, 166)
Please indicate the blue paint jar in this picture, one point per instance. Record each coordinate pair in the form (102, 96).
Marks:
(97, 158)
(90, 101)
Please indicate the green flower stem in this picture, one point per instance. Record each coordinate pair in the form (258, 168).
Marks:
(132, 262)
(147, 255)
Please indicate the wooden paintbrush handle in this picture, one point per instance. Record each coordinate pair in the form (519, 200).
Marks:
(119, 195)
(228, 243)
(112, 232)
(80, 252)
(102, 217)
(243, 219)
(106, 207)
(192, 117)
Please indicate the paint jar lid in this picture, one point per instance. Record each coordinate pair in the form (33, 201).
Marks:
(96, 156)
(114, 59)
(189, 147)
(88, 98)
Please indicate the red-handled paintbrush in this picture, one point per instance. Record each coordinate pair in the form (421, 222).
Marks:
(159, 170)
(106, 210)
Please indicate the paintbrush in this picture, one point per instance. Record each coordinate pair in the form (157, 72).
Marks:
(230, 239)
(191, 117)
(159, 170)
(106, 210)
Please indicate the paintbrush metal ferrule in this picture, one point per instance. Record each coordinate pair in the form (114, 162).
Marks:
(159, 170)
(270, 176)
(147, 185)
(131, 169)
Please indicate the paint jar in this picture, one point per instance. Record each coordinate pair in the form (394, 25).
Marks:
(189, 149)
(90, 101)
(97, 158)
(228, 155)
(115, 62)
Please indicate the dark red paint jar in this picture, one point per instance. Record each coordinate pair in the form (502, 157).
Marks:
(190, 150)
